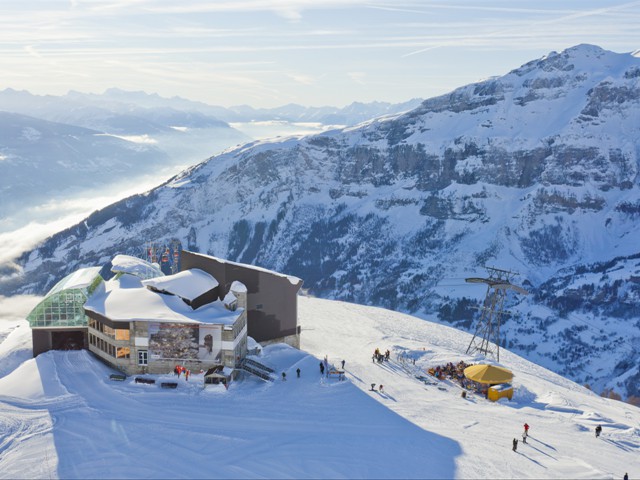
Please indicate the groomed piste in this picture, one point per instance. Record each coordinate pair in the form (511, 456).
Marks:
(62, 417)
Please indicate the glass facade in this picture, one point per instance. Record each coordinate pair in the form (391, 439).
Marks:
(64, 304)
(142, 269)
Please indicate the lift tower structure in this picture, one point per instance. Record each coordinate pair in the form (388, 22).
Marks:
(486, 338)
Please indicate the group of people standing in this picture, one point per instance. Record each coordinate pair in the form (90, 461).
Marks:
(380, 357)
(179, 370)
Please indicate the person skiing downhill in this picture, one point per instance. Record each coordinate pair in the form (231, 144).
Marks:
(515, 445)
(598, 430)
(526, 430)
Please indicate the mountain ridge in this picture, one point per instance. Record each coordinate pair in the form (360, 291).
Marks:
(535, 171)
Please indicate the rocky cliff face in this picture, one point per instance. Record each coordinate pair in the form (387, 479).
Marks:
(535, 171)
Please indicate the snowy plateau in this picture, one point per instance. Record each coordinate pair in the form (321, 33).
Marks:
(62, 417)
(535, 172)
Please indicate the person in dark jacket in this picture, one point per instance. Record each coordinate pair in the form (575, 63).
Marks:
(298, 372)
(598, 430)
(515, 445)
(321, 368)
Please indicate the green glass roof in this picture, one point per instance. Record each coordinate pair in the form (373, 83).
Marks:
(63, 306)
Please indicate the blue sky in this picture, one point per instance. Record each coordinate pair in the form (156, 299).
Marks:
(267, 53)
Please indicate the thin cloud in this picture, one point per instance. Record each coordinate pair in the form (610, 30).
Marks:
(572, 15)
(30, 49)
(357, 77)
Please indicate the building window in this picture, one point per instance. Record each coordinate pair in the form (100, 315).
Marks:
(143, 358)
(108, 331)
(123, 352)
(122, 334)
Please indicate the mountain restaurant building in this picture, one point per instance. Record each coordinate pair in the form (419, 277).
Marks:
(143, 321)
(150, 326)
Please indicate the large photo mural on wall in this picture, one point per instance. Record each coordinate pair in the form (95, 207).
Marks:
(173, 340)
(185, 341)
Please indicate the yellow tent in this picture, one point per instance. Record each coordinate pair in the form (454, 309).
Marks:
(489, 374)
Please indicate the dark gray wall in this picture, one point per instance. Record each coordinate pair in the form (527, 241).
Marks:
(43, 338)
(272, 300)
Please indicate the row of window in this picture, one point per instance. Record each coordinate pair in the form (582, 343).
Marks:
(115, 333)
(106, 347)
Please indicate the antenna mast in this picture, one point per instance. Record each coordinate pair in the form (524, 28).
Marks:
(488, 329)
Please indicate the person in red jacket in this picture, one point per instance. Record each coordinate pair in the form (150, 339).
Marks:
(526, 430)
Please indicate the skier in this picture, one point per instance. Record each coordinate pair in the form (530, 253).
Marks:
(186, 374)
(515, 445)
(298, 372)
(343, 364)
(626, 476)
(373, 387)
(598, 430)
(321, 368)
(284, 376)
(381, 389)
(526, 430)
(524, 438)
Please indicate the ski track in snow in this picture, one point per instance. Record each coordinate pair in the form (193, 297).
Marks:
(61, 416)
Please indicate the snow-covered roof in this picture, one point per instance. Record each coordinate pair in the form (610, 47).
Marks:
(79, 279)
(291, 278)
(188, 284)
(238, 287)
(135, 266)
(122, 300)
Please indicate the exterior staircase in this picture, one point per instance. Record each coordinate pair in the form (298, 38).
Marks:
(258, 369)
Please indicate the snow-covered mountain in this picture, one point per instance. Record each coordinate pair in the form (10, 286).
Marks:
(133, 134)
(535, 171)
(62, 417)
(42, 160)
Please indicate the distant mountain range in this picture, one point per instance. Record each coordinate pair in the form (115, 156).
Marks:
(135, 113)
(535, 172)
(54, 146)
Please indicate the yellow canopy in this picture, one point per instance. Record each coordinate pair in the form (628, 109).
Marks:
(488, 374)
